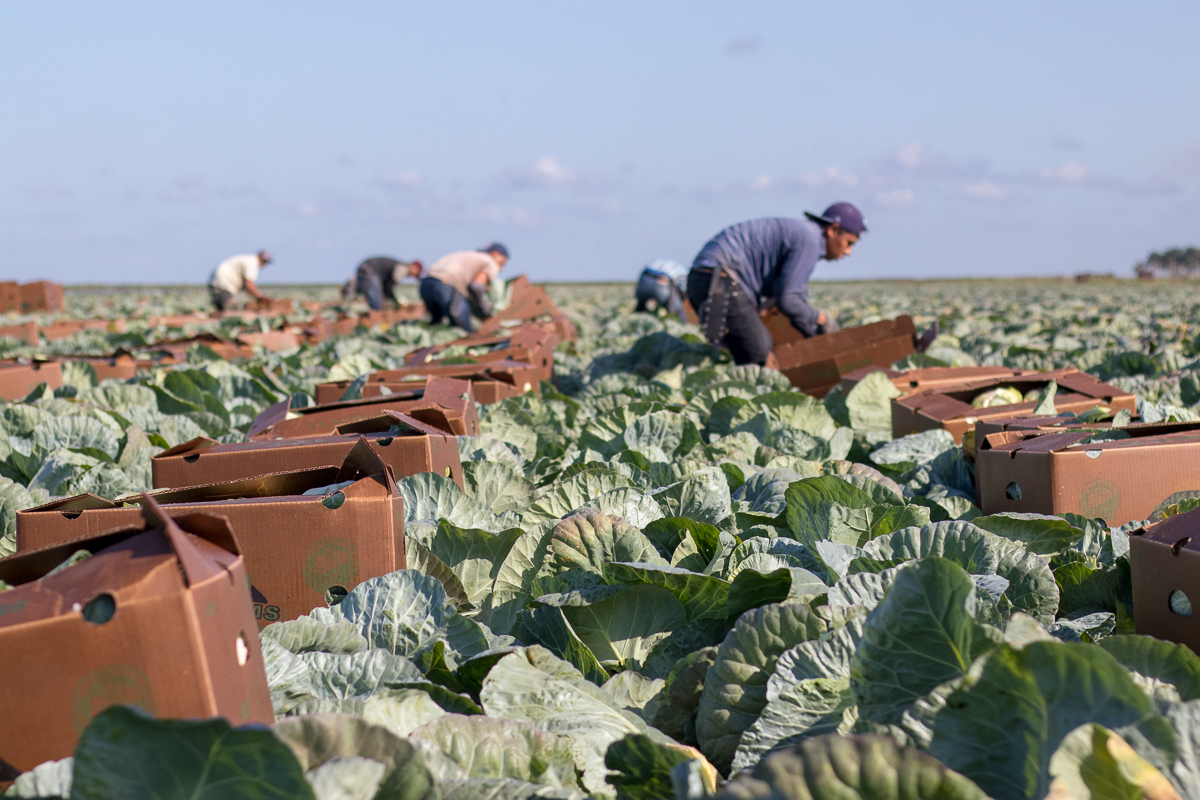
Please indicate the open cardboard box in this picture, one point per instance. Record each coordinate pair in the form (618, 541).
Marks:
(418, 447)
(41, 297)
(492, 382)
(917, 380)
(1055, 473)
(1164, 558)
(158, 617)
(296, 546)
(64, 328)
(25, 331)
(531, 344)
(529, 303)
(10, 297)
(455, 398)
(816, 364)
(20, 376)
(950, 407)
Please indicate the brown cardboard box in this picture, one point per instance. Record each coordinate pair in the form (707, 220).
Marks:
(25, 331)
(816, 364)
(492, 382)
(456, 398)
(182, 641)
(917, 380)
(41, 297)
(1121, 481)
(20, 376)
(64, 328)
(10, 297)
(950, 407)
(531, 344)
(278, 341)
(421, 448)
(528, 303)
(119, 366)
(1164, 557)
(295, 546)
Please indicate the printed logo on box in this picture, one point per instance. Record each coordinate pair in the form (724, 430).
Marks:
(1100, 498)
(110, 685)
(332, 561)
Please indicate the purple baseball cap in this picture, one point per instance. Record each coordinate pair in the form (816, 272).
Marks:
(844, 215)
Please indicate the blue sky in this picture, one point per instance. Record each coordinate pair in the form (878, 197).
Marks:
(144, 142)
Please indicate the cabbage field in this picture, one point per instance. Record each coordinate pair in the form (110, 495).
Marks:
(670, 577)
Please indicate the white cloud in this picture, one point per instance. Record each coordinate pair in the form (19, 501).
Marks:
(910, 156)
(404, 179)
(548, 173)
(830, 176)
(896, 198)
(985, 190)
(1070, 172)
(308, 210)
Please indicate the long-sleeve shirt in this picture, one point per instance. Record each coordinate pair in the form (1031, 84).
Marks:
(773, 259)
(232, 273)
(459, 269)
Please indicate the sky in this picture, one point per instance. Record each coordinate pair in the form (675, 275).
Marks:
(146, 142)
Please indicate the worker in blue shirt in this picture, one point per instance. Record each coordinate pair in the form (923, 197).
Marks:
(752, 265)
(665, 283)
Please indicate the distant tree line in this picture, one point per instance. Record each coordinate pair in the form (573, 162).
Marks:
(1174, 263)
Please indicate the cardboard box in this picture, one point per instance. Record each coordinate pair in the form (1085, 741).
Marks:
(528, 303)
(278, 341)
(950, 407)
(158, 617)
(816, 364)
(1120, 481)
(25, 331)
(64, 328)
(492, 382)
(295, 546)
(1164, 557)
(120, 366)
(419, 448)
(10, 297)
(531, 344)
(454, 398)
(41, 297)
(916, 380)
(20, 376)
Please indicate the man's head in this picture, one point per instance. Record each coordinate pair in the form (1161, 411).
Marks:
(498, 252)
(264, 257)
(415, 268)
(842, 225)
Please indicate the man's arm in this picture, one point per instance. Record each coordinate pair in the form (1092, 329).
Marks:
(252, 290)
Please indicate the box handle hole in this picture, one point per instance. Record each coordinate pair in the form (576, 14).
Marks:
(100, 609)
(1013, 491)
(243, 649)
(385, 441)
(449, 473)
(1180, 604)
(192, 459)
(333, 501)
(335, 594)
(72, 514)
(1182, 543)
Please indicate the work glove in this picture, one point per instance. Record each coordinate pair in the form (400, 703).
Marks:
(481, 304)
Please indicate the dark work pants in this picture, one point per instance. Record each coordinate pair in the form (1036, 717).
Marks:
(373, 286)
(648, 288)
(745, 335)
(221, 299)
(444, 301)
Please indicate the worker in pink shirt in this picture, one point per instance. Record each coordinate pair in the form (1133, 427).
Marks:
(457, 283)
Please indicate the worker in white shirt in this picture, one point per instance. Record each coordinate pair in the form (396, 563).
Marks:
(457, 284)
(236, 274)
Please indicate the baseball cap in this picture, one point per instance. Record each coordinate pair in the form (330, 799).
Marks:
(844, 215)
(497, 248)
(265, 255)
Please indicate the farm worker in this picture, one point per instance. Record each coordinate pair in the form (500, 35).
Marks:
(753, 265)
(235, 274)
(664, 282)
(378, 277)
(460, 278)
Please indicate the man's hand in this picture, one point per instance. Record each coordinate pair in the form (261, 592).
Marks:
(822, 318)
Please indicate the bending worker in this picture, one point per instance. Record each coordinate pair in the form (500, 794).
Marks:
(763, 262)
(378, 278)
(460, 278)
(235, 274)
(664, 282)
